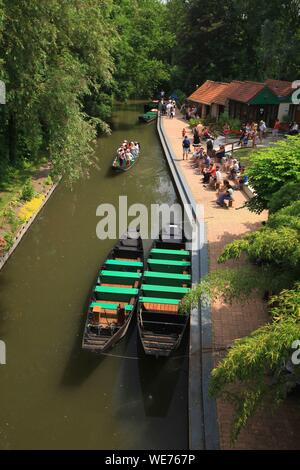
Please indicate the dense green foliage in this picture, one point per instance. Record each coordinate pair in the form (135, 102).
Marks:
(257, 370)
(253, 374)
(234, 39)
(63, 62)
(141, 47)
(270, 171)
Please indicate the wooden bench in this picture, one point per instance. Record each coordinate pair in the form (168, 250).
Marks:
(172, 292)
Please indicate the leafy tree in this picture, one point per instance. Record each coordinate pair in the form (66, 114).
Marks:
(254, 373)
(54, 53)
(271, 169)
(141, 47)
(283, 197)
(234, 39)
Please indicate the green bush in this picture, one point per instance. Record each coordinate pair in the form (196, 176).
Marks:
(209, 120)
(9, 215)
(48, 181)
(193, 122)
(271, 169)
(9, 240)
(287, 193)
(27, 191)
(234, 124)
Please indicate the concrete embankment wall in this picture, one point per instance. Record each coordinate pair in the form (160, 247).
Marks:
(203, 424)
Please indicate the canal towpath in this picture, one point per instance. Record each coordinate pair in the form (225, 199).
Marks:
(265, 430)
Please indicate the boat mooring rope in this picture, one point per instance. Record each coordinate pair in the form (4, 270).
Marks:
(136, 358)
(216, 349)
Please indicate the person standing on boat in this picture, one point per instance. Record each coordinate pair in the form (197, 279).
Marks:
(120, 315)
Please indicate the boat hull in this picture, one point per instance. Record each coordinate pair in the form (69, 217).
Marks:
(118, 169)
(148, 117)
(117, 287)
(167, 278)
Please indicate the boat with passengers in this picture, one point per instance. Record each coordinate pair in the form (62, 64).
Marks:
(127, 156)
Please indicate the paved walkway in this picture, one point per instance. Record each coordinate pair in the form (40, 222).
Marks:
(265, 431)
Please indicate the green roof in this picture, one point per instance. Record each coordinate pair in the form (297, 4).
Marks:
(265, 96)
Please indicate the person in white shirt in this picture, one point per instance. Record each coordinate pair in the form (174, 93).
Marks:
(218, 178)
(262, 130)
(294, 129)
(169, 107)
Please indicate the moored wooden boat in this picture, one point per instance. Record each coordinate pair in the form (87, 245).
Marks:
(148, 117)
(166, 280)
(114, 297)
(151, 105)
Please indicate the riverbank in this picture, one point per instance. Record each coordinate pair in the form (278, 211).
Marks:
(264, 431)
(22, 196)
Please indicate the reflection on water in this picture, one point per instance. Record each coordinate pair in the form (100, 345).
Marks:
(53, 394)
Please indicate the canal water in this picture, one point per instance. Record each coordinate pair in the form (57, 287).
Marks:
(53, 395)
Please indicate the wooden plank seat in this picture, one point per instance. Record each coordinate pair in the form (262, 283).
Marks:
(169, 265)
(118, 264)
(172, 292)
(116, 274)
(114, 285)
(172, 279)
(160, 300)
(116, 290)
(162, 308)
(131, 279)
(108, 305)
(129, 249)
(160, 253)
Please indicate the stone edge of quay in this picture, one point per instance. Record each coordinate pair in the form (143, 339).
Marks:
(203, 422)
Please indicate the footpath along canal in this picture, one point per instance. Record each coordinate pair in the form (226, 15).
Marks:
(53, 395)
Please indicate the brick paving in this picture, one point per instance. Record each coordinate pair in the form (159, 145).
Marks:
(267, 430)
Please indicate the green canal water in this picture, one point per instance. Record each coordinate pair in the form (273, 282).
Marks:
(53, 395)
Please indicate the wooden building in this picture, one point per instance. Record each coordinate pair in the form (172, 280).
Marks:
(247, 100)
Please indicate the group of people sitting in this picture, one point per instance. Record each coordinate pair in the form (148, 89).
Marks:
(293, 128)
(126, 153)
(211, 168)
